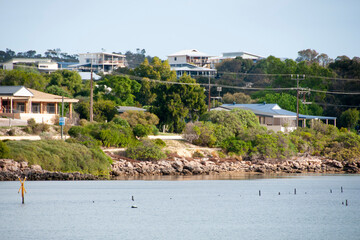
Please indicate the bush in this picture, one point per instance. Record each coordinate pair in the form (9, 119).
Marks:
(236, 146)
(233, 120)
(142, 130)
(120, 121)
(200, 133)
(11, 132)
(83, 122)
(159, 142)
(4, 150)
(139, 117)
(109, 134)
(146, 150)
(57, 155)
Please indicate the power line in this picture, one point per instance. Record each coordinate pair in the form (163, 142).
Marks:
(331, 92)
(236, 87)
(336, 105)
(288, 74)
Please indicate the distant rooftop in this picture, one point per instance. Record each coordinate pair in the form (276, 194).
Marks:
(112, 54)
(272, 109)
(190, 52)
(122, 109)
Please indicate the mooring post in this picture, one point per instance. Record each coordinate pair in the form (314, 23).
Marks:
(342, 189)
(330, 190)
(346, 202)
(22, 188)
(259, 193)
(295, 191)
(279, 193)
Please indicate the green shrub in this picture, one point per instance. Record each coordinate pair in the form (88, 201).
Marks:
(159, 142)
(200, 133)
(197, 154)
(236, 146)
(11, 132)
(57, 155)
(83, 122)
(4, 150)
(31, 122)
(109, 134)
(142, 130)
(139, 117)
(146, 150)
(120, 121)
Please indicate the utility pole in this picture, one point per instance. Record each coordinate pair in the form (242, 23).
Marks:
(62, 117)
(91, 94)
(209, 100)
(297, 96)
(297, 101)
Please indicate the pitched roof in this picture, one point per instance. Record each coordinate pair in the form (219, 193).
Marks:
(14, 91)
(190, 52)
(47, 97)
(273, 110)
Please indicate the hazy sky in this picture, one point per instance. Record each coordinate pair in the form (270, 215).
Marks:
(264, 27)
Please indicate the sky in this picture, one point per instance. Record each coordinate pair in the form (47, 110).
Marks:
(263, 27)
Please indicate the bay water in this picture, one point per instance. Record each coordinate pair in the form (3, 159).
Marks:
(205, 207)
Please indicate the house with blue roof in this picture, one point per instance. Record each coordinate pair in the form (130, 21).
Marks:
(274, 117)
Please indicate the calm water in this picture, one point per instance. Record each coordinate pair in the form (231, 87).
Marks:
(191, 209)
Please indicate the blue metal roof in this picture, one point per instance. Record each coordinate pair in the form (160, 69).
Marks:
(271, 110)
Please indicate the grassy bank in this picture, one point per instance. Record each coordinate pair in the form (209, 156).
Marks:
(57, 155)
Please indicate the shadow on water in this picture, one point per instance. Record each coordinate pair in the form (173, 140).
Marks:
(221, 176)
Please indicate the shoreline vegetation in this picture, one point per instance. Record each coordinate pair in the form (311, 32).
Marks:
(123, 167)
(221, 142)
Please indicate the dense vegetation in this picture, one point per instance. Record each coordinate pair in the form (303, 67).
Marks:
(179, 105)
(239, 133)
(55, 155)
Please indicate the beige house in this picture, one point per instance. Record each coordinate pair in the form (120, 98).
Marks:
(19, 102)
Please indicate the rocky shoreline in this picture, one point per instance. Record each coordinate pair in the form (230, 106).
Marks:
(11, 170)
(195, 166)
(123, 167)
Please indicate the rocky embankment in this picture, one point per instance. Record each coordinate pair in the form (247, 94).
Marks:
(11, 170)
(122, 167)
(187, 166)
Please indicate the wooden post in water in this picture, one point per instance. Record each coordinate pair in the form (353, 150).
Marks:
(259, 193)
(295, 191)
(346, 203)
(341, 189)
(330, 190)
(22, 188)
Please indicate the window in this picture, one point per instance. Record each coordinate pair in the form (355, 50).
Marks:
(50, 108)
(35, 108)
(20, 107)
(175, 58)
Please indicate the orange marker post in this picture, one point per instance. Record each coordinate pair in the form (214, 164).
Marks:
(22, 188)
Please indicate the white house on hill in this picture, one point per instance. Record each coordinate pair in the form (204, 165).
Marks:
(192, 62)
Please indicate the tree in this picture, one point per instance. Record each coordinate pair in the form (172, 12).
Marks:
(238, 97)
(350, 118)
(308, 55)
(176, 103)
(70, 80)
(118, 89)
(25, 78)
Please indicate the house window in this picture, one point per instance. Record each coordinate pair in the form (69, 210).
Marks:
(175, 58)
(35, 108)
(50, 108)
(20, 107)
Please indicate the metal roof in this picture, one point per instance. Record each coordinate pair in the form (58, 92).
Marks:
(122, 109)
(273, 110)
(11, 90)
